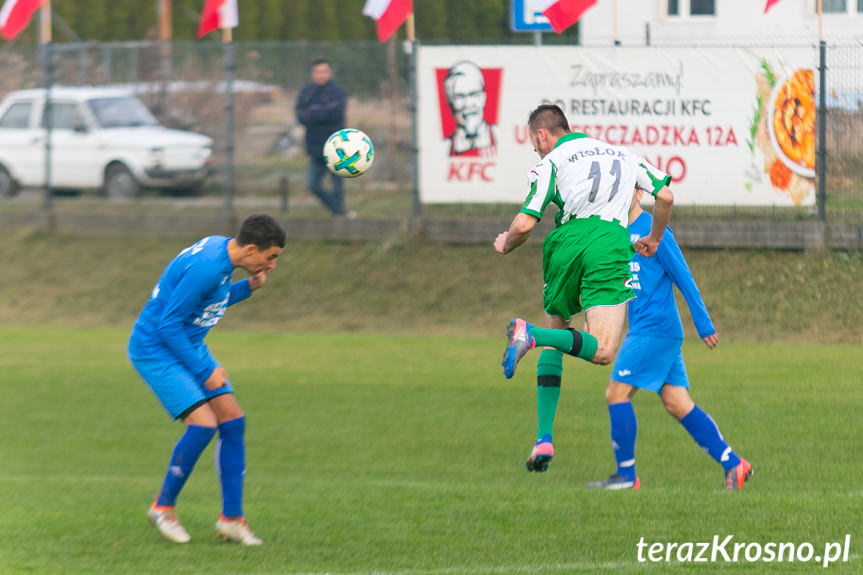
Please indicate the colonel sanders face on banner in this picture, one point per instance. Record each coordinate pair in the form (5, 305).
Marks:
(465, 91)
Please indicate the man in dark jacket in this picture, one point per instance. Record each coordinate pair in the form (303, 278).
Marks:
(321, 109)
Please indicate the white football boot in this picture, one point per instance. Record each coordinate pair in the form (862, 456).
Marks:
(236, 530)
(165, 520)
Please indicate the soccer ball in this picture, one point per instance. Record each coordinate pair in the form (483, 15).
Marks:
(349, 153)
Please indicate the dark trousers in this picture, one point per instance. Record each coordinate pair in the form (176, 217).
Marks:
(334, 200)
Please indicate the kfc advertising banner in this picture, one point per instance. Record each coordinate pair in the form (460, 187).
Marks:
(730, 125)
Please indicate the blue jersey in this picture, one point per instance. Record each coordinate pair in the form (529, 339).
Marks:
(190, 298)
(654, 312)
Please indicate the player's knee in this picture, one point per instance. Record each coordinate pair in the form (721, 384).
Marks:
(672, 408)
(226, 408)
(678, 411)
(617, 392)
(230, 414)
(605, 353)
(603, 356)
(677, 402)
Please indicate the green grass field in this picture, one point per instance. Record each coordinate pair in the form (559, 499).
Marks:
(402, 454)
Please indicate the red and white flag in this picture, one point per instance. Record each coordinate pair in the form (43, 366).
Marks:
(389, 14)
(15, 16)
(564, 13)
(769, 4)
(218, 14)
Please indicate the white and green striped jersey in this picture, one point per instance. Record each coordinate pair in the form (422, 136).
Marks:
(586, 177)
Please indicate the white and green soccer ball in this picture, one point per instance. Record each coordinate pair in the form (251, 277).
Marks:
(349, 153)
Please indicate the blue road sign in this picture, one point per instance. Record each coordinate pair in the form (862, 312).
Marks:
(527, 16)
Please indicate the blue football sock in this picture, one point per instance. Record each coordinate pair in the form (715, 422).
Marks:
(704, 431)
(186, 454)
(624, 430)
(231, 465)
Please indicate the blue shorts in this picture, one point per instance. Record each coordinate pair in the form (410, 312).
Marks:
(174, 385)
(649, 363)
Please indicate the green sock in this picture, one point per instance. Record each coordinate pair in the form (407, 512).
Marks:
(578, 343)
(588, 346)
(549, 369)
(559, 339)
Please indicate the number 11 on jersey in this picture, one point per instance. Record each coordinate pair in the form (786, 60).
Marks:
(596, 175)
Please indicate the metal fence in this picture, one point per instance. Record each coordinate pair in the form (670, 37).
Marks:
(844, 137)
(182, 84)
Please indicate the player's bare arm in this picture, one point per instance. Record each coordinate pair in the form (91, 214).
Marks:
(648, 245)
(517, 234)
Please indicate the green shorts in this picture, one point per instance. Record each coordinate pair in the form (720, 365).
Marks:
(585, 263)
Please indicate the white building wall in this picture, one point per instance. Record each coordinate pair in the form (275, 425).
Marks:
(736, 21)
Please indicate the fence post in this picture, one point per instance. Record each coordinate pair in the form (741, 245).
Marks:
(47, 78)
(82, 64)
(106, 63)
(392, 135)
(284, 187)
(822, 132)
(229, 126)
(416, 207)
(133, 66)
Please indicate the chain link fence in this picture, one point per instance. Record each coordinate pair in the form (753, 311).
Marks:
(844, 140)
(182, 84)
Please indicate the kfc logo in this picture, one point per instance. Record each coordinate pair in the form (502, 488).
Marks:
(469, 98)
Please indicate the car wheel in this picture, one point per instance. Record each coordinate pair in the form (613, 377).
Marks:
(120, 184)
(8, 186)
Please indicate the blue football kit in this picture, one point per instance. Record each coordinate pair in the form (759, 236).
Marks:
(651, 353)
(651, 357)
(167, 343)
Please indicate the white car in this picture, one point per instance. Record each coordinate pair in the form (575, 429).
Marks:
(101, 138)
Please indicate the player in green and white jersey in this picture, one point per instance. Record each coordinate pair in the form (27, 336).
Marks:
(585, 260)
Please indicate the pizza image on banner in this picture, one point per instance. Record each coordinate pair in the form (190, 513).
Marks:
(783, 131)
(469, 98)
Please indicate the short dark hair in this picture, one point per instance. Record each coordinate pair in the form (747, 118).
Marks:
(318, 61)
(261, 230)
(549, 117)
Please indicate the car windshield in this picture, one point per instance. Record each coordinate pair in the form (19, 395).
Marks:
(122, 112)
